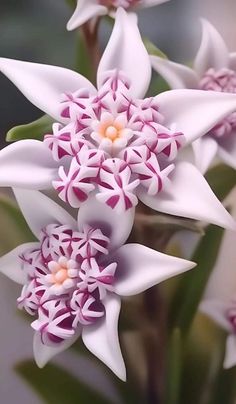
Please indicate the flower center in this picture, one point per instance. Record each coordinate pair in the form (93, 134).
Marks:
(113, 143)
(63, 274)
(111, 132)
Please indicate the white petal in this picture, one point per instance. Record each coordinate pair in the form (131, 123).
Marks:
(230, 355)
(216, 310)
(175, 74)
(221, 285)
(85, 10)
(195, 112)
(113, 225)
(102, 338)
(43, 85)
(232, 61)
(28, 164)
(150, 3)
(43, 353)
(140, 268)
(40, 211)
(227, 150)
(205, 150)
(126, 51)
(10, 264)
(212, 52)
(189, 195)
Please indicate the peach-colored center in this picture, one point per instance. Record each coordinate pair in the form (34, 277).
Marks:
(110, 130)
(60, 273)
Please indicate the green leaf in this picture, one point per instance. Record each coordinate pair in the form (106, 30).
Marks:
(83, 59)
(221, 179)
(71, 3)
(33, 130)
(57, 386)
(174, 368)
(152, 49)
(14, 229)
(224, 389)
(193, 283)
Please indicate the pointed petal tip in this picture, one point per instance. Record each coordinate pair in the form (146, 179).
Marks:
(122, 375)
(190, 265)
(230, 355)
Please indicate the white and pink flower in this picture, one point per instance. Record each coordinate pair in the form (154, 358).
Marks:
(219, 300)
(214, 69)
(73, 278)
(111, 142)
(89, 9)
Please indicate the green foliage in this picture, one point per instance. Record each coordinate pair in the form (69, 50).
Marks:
(14, 229)
(174, 365)
(33, 130)
(221, 179)
(83, 60)
(152, 49)
(71, 3)
(57, 386)
(193, 283)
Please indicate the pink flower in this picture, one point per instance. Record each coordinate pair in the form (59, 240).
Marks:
(214, 69)
(88, 9)
(74, 276)
(112, 142)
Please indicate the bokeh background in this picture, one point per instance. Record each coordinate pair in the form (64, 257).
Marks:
(34, 30)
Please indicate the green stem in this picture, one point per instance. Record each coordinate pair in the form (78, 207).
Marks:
(89, 32)
(174, 368)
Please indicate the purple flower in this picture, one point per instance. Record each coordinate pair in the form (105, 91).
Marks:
(111, 142)
(73, 278)
(214, 69)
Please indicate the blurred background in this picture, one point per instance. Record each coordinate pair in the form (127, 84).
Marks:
(35, 31)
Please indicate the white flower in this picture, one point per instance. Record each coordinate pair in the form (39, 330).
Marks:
(73, 278)
(214, 69)
(219, 301)
(87, 9)
(111, 142)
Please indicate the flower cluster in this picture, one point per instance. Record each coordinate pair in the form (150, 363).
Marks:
(74, 275)
(112, 142)
(214, 69)
(108, 148)
(65, 280)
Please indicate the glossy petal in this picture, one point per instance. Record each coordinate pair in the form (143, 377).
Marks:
(227, 150)
(102, 338)
(43, 85)
(10, 264)
(85, 10)
(205, 150)
(140, 268)
(189, 195)
(126, 51)
(212, 52)
(116, 227)
(43, 353)
(27, 164)
(175, 74)
(40, 211)
(221, 285)
(230, 355)
(151, 3)
(195, 112)
(216, 310)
